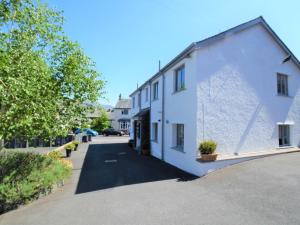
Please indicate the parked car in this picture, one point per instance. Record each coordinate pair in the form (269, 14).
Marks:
(111, 131)
(88, 131)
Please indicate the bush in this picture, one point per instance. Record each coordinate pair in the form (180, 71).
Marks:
(76, 142)
(24, 176)
(55, 154)
(70, 146)
(207, 147)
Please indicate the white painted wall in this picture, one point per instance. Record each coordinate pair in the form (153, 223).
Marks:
(230, 97)
(238, 88)
(156, 117)
(180, 108)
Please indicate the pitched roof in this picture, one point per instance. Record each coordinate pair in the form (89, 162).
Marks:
(123, 104)
(196, 45)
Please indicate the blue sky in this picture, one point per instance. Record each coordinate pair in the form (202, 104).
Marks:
(127, 38)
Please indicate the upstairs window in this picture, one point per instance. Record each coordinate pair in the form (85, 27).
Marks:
(155, 90)
(282, 85)
(146, 94)
(139, 100)
(133, 102)
(125, 112)
(180, 79)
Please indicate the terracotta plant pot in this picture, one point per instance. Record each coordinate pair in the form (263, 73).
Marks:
(209, 157)
(145, 152)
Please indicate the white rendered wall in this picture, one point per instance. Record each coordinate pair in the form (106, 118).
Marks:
(180, 108)
(156, 117)
(237, 100)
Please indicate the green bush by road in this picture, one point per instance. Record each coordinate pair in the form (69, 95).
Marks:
(24, 176)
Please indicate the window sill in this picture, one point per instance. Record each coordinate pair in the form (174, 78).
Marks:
(179, 91)
(284, 96)
(179, 149)
(154, 100)
(285, 147)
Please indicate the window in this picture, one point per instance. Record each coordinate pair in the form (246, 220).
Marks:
(282, 84)
(124, 125)
(125, 112)
(179, 79)
(178, 136)
(139, 99)
(284, 135)
(155, 91)
(146, 94)
(154, 131)
(133, 102)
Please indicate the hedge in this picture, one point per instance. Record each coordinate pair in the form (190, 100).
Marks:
(25, 176)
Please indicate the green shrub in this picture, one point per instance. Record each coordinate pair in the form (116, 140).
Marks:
(207, 147)
(55, 154)
(70, 146)
(76, 142)
(24, 176)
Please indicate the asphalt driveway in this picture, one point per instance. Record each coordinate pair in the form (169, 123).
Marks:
(113, 185)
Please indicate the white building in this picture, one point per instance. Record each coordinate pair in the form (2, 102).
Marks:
(239, 88)
(120, 115)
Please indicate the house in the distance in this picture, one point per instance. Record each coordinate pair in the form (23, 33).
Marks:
(240, 88)
(120, 115)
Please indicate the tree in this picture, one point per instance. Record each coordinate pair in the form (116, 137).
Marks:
(102, 122)
(45, 78)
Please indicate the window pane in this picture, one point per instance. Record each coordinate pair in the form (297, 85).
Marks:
(282, 84)
(180, 135)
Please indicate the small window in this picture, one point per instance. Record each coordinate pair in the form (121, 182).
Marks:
(284, 135)
(179, 136)
(125, 112)
(180, 79)
(282, 84)
(133, 102)
(154, 131)
(146, 94)
(139, 100)
(155, 91)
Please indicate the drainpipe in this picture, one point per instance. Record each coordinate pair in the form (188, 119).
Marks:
(163, 120)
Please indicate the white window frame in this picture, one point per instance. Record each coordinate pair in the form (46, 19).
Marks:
(284, 135)
(146, 95)
(178, 137)
(155, 132)
(139, 100)
(133, 102)
(155, 90)
(125, 110)
(179, 79)
(282, 84)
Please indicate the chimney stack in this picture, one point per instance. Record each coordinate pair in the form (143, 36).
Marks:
(120, 97)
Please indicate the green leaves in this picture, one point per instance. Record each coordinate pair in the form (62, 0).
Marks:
(46, 80)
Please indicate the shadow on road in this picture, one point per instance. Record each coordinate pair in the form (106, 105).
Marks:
(112, 165)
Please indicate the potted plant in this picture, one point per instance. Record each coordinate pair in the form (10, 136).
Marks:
(207, 150)
(76, 143)
(69, 148)
(131, 143)
(146, 148)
